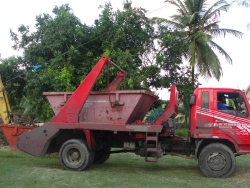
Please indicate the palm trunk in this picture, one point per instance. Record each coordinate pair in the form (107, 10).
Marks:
(193, 77)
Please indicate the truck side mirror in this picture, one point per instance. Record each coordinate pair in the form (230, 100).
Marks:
(192, 99)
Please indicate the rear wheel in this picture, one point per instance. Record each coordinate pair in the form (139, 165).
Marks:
(217, 160)
(74, 155)
(102, 156)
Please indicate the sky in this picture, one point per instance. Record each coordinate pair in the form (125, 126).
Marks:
(15, 12)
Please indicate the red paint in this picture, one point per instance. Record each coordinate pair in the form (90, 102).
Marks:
(215, 124)
(171, 110)
(11, 133)
(69, 112)
(131, 105)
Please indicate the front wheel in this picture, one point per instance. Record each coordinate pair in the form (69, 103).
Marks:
(217, 160)
(74, 155)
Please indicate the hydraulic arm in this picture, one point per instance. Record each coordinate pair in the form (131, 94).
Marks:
(4, 104)
(69, 112)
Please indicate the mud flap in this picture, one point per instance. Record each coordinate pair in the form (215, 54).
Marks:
(36, 142)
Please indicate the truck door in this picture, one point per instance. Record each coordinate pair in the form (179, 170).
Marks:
(231, 115)
(204, 113)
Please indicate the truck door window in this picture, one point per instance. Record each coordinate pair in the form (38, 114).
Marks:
(232, 103)
(241, 106)
(205, 104)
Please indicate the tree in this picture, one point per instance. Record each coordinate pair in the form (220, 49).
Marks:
(200, 24)
(169, 59)
(13, 75)
(67, 50)
(130, 35)
(56, 45)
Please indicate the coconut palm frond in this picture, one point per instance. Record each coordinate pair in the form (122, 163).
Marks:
(225, 32)
(200, 22)
(221, 51)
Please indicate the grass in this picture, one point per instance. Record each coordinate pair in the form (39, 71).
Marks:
(182, 133)
(18, 169)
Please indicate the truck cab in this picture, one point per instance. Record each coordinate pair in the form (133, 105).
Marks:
(219, 127)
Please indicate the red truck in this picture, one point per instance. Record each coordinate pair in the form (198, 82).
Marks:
(88, 124)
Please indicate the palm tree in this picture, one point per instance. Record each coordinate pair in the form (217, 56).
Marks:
(200, 24)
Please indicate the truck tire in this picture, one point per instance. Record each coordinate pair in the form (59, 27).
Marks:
(217, 160)
(102, 156)
(91, 158)
(74, 155)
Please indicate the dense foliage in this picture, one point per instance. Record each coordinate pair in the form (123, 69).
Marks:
(67, 49)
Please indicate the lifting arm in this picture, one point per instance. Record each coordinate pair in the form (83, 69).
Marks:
(115, 84)
(69, 112)
(171, 110)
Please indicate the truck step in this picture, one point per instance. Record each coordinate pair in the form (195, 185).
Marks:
(152, 150)
(153, 139)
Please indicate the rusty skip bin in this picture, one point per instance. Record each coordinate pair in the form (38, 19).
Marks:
(120, 106)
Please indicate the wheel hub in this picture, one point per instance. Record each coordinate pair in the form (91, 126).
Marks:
(216, 161)
(74, 155)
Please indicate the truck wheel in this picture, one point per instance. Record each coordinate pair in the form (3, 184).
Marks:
(91, 158)
(217, 160)
(102, 156)
(74, 155)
